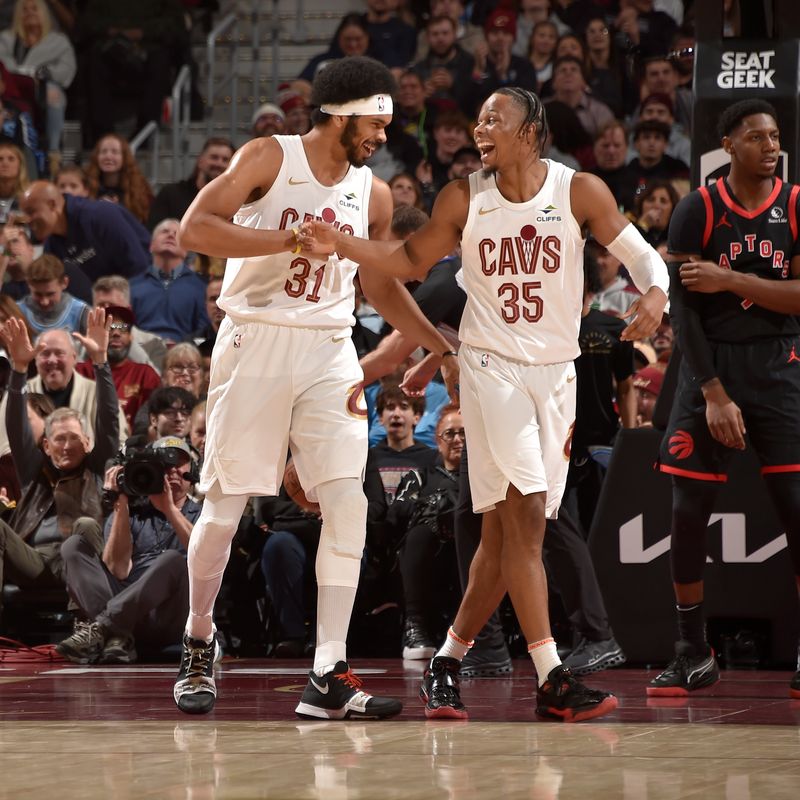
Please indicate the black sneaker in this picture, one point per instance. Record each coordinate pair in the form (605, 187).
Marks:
(195, 691)
(686, 673)
(794, 686)
(338, 695)
(85, 645)
(566, 699)
(590, 657)
(486, 662)
(118, 650)
(440, 690)
(417, 642)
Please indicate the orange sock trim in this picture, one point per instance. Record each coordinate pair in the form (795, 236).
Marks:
(534, 645)
(454, 635)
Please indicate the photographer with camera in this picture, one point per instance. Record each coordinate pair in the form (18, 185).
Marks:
(422, 515)
(60, 482)
(137, 592)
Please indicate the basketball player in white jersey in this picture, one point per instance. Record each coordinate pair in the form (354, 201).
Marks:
(519, 221)
(284, 371)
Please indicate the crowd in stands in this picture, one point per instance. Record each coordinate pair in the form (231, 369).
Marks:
(86, 243)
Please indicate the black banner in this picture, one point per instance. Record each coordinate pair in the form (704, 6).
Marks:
(749, 576)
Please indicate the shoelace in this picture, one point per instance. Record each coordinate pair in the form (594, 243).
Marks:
(84, 635)
(349, 679)
(445, 686)
(198, 662)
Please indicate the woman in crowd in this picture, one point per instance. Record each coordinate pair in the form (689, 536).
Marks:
(603, 68)
(350, 39)
(406, 190)
(183, 367)
(541, 51)
(31, 47)
(653, 209)
(115, 175)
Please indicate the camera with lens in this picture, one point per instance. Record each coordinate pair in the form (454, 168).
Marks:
(143, 473)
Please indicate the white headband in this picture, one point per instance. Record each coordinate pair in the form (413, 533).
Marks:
(366, 106)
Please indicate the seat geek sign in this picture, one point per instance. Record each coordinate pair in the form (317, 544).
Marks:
(747, 70)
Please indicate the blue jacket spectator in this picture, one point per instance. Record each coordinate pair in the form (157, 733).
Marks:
(169, 299)
(100, 237)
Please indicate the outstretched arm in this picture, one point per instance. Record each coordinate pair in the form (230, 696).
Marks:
(206, 226)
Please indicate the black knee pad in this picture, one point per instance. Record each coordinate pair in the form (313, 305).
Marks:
(692, 503)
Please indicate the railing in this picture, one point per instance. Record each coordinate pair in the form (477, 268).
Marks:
(229, 22)
(181, 100)
(149, 131)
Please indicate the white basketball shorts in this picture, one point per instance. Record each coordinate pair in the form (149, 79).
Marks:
(518, 420)
(273, 388)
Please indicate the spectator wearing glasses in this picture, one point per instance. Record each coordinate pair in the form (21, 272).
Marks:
(134, 381)
(169, 298)
(183, 367)
(422, 518)
(168, 412)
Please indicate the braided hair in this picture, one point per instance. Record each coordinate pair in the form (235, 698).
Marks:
(533, 108)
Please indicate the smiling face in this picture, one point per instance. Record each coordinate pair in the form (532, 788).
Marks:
(55, 363)
(362, 136)
(450, 438)
(109, 154)
(499, 136)
(755, 145)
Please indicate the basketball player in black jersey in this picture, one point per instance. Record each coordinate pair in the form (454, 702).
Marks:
(734, 290)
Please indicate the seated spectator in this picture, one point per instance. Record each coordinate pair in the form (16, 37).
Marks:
(16, 256)
(661, 342)
(468, 36)
(146, 348)
(413, 114)
(134, 382)
(351, 38)
(49, 305)
(682, 55)
(451, 132)
(567, 141)
(297, 111)
(197, 429)
(183, 367)
(56, 356)
(391, 41)
(647, 382)
(643, 28)
(497, 66)
(650, 139)
(72, 179)
(660, 76)
(541, 50)
(166, 413)
(169, 298)
(136, 593)
(13, 179)
(605, 68)
(126, 50)
(653, 210)
(446, 68)
(615, 294)
(466, 160)
(659, 107)
(572, 15)
(406, 191)
(114, 174)
(268, 120)
(173, 199)
(208, 333)
(32, 47)
(609, 154)
(287, 565)
(421, 519)
(17, 126)
(99, 238)
(529, 14)
(60, 483)
(570, 88)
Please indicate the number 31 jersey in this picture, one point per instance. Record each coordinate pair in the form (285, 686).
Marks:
(295, 289)
(523, 271)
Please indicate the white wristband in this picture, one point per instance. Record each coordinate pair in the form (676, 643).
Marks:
(645, 265)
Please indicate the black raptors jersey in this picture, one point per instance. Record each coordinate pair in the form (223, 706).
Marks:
(712, 223)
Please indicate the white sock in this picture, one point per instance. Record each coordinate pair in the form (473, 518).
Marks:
(454, 646)
(334, 608)
(545, 657)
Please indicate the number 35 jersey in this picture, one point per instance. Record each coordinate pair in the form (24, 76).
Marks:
(295, 289)
(523, 271)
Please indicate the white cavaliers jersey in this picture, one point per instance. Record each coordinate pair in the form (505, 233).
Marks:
(523, 271)
(298, 290)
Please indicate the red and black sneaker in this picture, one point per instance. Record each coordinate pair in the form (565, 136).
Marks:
(440, 690)
(794, 686)
(562, 697)
(686, 673)
(337, 695)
